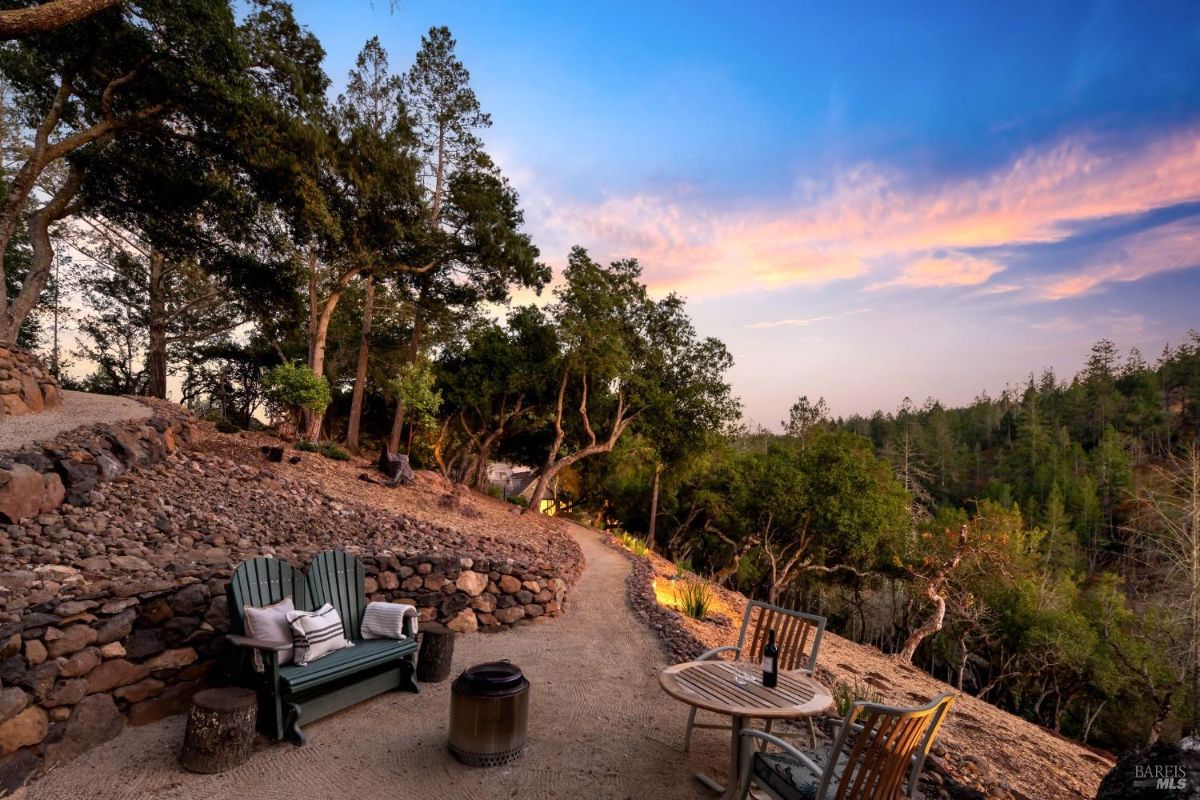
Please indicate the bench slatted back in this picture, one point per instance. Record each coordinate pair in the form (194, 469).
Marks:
(797, 635)
(336, 577)
(262, 582)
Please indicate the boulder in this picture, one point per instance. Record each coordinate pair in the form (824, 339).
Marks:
(12, 702)
(473, 583)
(74, 638)
(113, 674)
(95, 721)
(464, 622)
(27, 728)
(509, 584)
(21, 493)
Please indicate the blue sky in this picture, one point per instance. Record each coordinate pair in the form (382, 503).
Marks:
(865, 202)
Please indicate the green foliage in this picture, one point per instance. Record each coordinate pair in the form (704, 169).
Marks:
(225, 425)
(333, 451)
(307, 446)
(683, 566)
(632, 543)
(695, 597)
(291, 387)
(847, 693)
(519, 501)
(413, 386)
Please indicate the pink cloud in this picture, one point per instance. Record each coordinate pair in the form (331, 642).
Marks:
(959, 270)
(1167, 248)
(868, 221)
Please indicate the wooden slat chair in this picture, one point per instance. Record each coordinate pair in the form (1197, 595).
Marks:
(878, 754)
(289, 692)
(797, 635)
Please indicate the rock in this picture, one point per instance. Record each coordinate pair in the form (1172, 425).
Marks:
(16, 768)
(473, 583)
(80, 663)
(131, 563)
(509, 584)
(112, 650)
(142, 690)
(67, 693)
(12, 702)
(10, 647)
(114, 673)
(175, 700)
(388, 581)
(412, 583)
(145, 642)
(27, 728)
(509, 615)
(21, 493)
(95, 721)
(116, 628)
(464, 622)
(171, 659)
(35, 652)
(485, 602)
(53, 492)
(73, 638)
(190, 600)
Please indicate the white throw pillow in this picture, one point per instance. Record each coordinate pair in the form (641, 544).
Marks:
(386, 620)
(270, 624)
(317, 633)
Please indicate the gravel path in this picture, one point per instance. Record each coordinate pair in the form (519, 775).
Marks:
(78, 408)
(600, 727)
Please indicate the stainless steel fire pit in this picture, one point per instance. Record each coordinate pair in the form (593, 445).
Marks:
(489, 714)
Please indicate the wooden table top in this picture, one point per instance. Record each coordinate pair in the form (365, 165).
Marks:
(710, 685)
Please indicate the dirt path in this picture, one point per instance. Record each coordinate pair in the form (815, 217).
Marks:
(78, 408)
(599, 727)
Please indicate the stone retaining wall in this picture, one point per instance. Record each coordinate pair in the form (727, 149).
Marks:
(95, 637)
(25, 385)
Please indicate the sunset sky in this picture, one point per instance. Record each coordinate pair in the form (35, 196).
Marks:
(865, 204)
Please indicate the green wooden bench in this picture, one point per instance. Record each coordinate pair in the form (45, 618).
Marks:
(290, 693)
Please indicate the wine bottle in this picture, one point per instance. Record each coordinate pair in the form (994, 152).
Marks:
(770, 663)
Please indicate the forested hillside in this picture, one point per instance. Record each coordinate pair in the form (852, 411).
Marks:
(1054, 525)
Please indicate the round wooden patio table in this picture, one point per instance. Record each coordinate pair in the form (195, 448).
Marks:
(712, 686)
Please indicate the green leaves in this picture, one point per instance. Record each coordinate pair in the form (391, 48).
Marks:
(289, 387)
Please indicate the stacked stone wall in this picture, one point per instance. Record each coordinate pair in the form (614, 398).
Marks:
(26, 387)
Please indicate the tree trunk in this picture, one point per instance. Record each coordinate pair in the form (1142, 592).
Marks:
(21, 22)
(658, 470)
(414, 347)
(360, 372)
(220, 730)
(931, 626)
(156, 354)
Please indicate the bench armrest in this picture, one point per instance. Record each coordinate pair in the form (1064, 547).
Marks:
(410, 625)
(256, 644)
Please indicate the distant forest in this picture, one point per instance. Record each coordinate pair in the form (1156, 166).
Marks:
(1054, 526)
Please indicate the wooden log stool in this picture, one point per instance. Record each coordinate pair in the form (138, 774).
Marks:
(220, 730)
(437, 651)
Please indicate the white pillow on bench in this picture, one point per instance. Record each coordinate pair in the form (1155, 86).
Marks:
(316, 633)
(270, 624)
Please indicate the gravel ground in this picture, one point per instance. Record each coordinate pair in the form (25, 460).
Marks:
(78, 408)
(600, 727)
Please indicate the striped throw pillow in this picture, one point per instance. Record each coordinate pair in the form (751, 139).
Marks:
(316, 633)
(386, 620)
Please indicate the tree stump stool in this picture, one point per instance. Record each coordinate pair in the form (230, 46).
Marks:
(220, 730)
(437, 651)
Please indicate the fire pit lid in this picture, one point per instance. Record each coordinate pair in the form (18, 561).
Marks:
(491, 679)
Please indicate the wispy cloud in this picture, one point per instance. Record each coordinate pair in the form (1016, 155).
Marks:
(804, 323)
(869, 221)
(1167, 248)
(957, 270)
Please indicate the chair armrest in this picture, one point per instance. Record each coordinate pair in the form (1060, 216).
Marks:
(787, 748)
(710, 654)
(256, 644)
(409, 625)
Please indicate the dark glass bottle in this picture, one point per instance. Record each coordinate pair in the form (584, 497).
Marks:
(770, 663)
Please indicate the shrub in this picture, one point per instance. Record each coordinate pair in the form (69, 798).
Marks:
(695, 597)
(638, 547)
(307, 446)
(631, 543)
(683, 566)
(226, 425)
(331, 450)
(289, 388)
(496, 492)
(846, 694)
(517, 500)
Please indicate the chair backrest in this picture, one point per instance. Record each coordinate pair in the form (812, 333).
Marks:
(261, 582)
(336, 577)
(888, 751)
(797, 635)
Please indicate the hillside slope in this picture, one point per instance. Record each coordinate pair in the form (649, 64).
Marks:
(982, 746)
